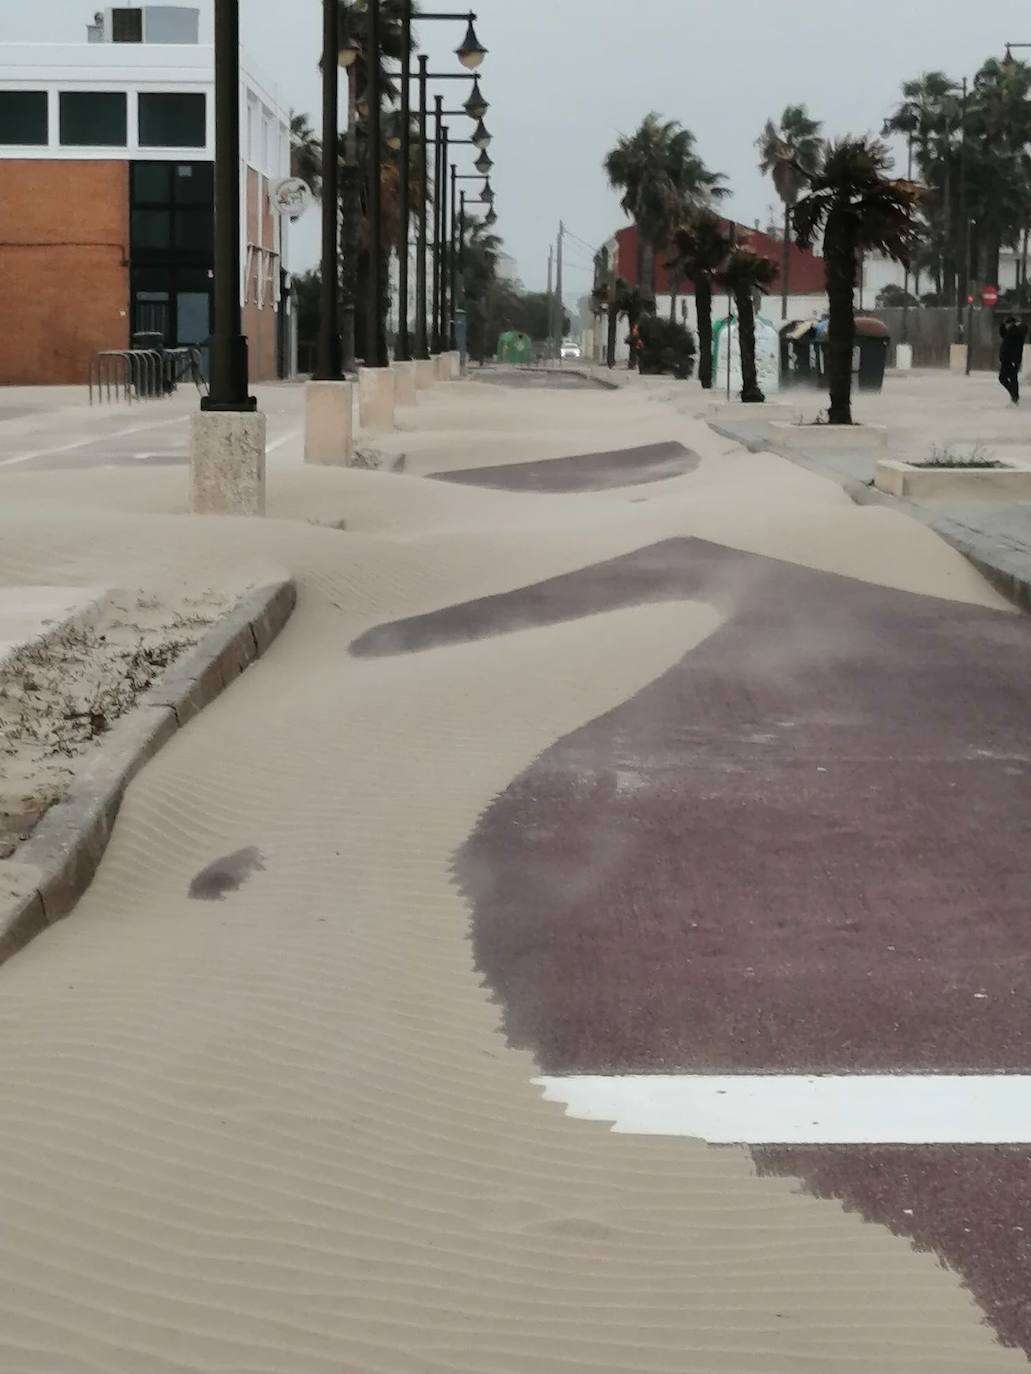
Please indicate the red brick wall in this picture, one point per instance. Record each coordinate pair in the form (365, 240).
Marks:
(64, 277)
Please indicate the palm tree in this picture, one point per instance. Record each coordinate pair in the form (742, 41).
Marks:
(929, 116)
(858, 209)
(700, 248)
(746, 274)
(791, 154)
(661, 178)
(305, 152)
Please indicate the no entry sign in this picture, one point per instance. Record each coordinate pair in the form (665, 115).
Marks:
(989, 295)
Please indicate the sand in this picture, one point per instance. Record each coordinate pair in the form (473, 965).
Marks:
(62, 691)
(277, 1131)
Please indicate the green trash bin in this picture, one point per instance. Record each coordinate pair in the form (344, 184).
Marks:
(514, 347)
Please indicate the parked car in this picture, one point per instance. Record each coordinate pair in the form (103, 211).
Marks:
(570, 349)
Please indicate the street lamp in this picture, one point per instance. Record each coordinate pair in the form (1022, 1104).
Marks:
(374, 342)
(471, 51)
(229, 369)
(329, 351)
(470, 54)
(476, 107)
(490, 217)
(481, 137)
(484, 162)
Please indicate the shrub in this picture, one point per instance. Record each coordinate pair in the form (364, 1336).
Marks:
(665, 346)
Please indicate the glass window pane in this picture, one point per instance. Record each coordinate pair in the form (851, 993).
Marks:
(151, 183)
(194, 229)
(93, 119)
(172, 119)
(194, 183)
(193, 316)
(151, 229)
(23, 118)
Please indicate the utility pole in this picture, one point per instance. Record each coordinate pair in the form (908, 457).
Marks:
(551, 299)
(964, 220)
(559, 308)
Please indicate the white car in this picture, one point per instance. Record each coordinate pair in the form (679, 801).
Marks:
(570, 349)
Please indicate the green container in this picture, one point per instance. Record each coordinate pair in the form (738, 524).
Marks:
(514, 347)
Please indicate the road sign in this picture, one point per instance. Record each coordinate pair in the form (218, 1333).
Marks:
(989, 295)
(292, 197)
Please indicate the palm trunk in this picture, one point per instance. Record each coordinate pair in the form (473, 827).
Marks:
(1023, 270)
(746, 339)
(785, 262)
(703, 310)
(673, 303)
(840, 258)
(610, 341)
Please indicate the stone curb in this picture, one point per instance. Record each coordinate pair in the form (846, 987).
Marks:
(1006, 573)
(53, 868)
(1000, 565)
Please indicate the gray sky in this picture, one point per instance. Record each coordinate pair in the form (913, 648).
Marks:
(565, 77)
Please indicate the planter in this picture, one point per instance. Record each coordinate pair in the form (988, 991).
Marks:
(1010, 482)
(853, 438)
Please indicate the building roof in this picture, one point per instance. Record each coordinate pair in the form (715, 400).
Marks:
(806, 270)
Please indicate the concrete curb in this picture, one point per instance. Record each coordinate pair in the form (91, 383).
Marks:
(53, 868)
(1005, 568)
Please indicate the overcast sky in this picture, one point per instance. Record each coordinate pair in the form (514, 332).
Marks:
(565, 77)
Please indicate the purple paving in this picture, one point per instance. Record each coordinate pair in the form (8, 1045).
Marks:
(621, 467)
(806, 847)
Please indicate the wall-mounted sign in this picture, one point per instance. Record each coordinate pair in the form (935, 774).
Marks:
(291, 197)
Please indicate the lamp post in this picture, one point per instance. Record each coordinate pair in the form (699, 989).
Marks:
(229, 369)
(453, 256)
(329, 354)
(437, 143)
(374, 342)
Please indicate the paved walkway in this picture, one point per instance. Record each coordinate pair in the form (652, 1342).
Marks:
(564, 795)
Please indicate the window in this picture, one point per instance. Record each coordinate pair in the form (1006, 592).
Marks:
(151, 183)
(93, 119)
(172, 119)
(194, 230)
(151, 229)
(127, 26)
(23, 118)
(194, 183)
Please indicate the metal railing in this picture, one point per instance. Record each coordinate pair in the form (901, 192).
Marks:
(142, 374)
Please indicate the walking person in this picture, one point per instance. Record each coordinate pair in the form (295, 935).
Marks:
(1013, 335)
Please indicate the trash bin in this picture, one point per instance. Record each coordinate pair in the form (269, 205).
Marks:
(514, 347)
(872, 340)
(798, 361)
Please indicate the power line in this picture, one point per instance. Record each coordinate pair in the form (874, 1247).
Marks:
(591, 248)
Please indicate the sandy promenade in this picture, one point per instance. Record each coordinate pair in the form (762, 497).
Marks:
(282, 1133)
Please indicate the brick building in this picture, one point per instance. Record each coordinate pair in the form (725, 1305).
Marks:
(106, 216)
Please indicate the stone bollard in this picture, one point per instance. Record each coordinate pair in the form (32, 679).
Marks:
(957, 357)
(376, 398)
(328, 423)
(443, 365)
(404, 383)
(904, 357)
(425, 373)
(227, 462)
(455, 365)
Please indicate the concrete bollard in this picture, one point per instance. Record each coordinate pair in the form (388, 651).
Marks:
(903, 357)
(425, 373)
(227, 462)
(328, 423)
(957, 357)
(376, 398)
(454, 365)
(443, 365)
(404, 383)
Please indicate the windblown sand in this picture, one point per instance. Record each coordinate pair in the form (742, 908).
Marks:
(278, 1131)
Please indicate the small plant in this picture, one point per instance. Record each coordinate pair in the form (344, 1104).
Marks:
(665, 346)
(978, 457)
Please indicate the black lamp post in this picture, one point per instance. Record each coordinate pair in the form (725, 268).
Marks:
(438, 134)
(374, 342)
(453, 256)
(327, 367)
(229, 370)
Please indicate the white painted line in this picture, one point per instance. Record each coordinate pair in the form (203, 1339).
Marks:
(85, 443)
(790, 1109)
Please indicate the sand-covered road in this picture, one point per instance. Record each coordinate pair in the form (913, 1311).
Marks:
(285, 1132)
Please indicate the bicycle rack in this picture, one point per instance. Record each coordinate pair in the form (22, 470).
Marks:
(142, 374)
